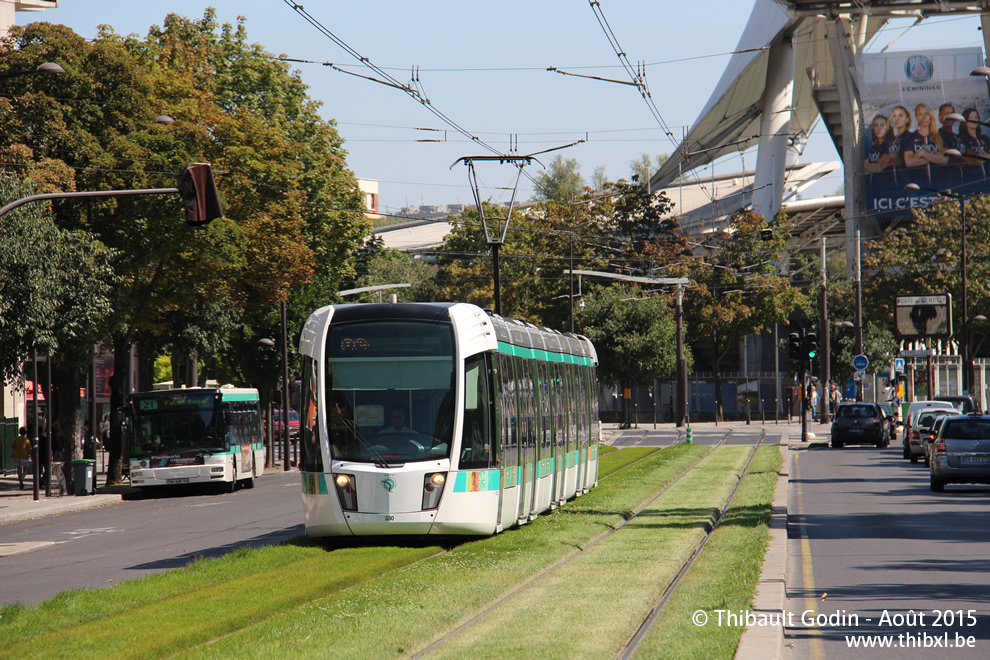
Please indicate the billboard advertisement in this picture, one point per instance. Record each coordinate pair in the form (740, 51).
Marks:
(906, 99)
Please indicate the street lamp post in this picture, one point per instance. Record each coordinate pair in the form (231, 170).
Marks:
(966, 365)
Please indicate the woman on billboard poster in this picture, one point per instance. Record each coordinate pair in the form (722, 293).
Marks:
(925, 145)
(878, 158)
(971, 134)
(900, 120)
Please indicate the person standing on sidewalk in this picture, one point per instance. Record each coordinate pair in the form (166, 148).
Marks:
(22, 455)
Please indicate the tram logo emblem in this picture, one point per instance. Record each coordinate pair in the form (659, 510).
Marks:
(919, 68)
(388, 484)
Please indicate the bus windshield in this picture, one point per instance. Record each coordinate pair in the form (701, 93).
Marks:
(390, 391)
(174, 423)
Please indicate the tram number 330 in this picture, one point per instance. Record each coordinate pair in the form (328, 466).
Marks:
(389, 518)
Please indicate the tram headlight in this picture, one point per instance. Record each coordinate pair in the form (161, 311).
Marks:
(433, 489)
(346, 492)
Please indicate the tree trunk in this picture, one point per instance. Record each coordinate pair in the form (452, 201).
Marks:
(118, 380)
(70, 379)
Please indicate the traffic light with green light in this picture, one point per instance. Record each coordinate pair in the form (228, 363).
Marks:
(811, 345)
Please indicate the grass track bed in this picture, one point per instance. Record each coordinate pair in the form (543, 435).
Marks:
(373, 601)
(725, 575)
(622, 576)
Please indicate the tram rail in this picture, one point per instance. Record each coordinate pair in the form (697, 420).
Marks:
(535, 580)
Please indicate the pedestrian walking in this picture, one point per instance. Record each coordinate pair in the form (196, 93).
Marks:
(814, 402)
(22, 455)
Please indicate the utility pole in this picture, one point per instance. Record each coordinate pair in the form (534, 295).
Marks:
(826, 375)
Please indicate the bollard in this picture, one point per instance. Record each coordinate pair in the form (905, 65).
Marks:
(690, 436)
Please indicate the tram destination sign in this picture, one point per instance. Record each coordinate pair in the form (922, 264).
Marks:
(922, 316)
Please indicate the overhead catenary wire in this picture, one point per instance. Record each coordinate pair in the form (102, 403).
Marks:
(638, 77)
(386, 78)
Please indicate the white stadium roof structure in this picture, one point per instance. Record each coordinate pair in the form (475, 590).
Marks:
(781, 81)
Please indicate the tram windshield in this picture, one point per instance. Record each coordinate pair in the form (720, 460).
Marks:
(175, 423)
(390, 391)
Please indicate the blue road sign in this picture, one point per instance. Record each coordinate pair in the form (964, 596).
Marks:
(861, 362)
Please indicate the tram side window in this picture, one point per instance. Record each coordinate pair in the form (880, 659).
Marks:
(572, 423)
(476, 437)
(527, 401)
(544, 392)
(556, 390)
(311, 458)
(507, 404)
(582, 398)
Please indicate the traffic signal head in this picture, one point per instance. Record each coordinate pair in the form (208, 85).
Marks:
(811, 345)
(794, 345)
(199, 194)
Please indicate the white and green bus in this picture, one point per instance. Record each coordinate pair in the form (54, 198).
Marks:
(195, 435)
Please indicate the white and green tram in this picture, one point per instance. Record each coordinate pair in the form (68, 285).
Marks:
(195, 436)
(430, 418)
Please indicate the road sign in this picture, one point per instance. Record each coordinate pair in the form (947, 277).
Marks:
(925, 352)
(861, 362)
(859, 375)
(899, 365)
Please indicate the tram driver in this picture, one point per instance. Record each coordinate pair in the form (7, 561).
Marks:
(398, 417)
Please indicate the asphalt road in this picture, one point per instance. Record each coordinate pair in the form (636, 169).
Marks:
(868, 537)
(130, 539)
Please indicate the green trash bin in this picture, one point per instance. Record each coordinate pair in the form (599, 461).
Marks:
(84, 477)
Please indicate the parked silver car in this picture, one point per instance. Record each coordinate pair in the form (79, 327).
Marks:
(928, 439)
(961, 452)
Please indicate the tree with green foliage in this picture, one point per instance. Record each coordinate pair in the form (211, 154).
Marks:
(292, 212)
(643, 167)
(925, 256)
(56, 285)
(879, 344)
(560, 182)
(634, 333)
(735, 288)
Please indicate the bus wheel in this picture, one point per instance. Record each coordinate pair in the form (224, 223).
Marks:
(248, 483)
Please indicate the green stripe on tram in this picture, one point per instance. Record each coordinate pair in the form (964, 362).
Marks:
(540, 354)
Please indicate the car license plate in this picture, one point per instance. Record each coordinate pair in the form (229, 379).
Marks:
(855, 430)
(975, 459)
(177, 481)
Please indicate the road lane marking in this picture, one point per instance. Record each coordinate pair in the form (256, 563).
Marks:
(815, 643)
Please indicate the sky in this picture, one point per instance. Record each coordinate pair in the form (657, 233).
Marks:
(484, 67)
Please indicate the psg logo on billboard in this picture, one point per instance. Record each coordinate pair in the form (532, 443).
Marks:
(919, 68)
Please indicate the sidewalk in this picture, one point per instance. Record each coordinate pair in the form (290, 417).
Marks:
(790, 433)
(17, 504)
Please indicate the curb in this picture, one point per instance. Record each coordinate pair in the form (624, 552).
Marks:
(759, 642)
(48, 506)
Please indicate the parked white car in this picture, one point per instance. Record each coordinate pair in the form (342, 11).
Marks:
(913, 449)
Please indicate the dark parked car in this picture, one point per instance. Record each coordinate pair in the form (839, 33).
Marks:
(888, 412)
(858, 424)
(961, 452)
